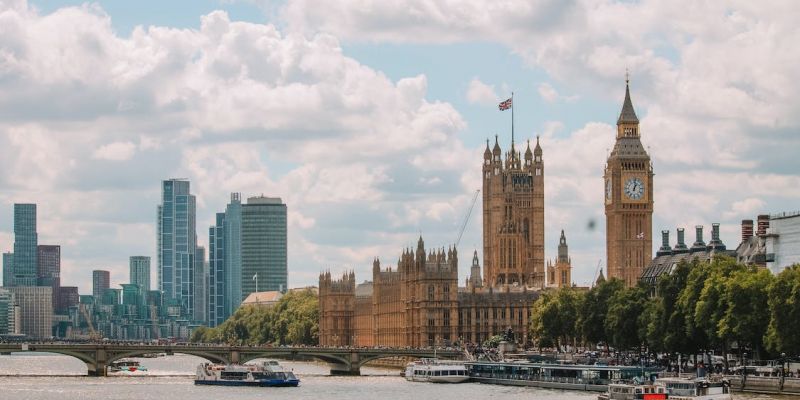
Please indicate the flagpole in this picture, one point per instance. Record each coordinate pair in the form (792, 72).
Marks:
(512, 118)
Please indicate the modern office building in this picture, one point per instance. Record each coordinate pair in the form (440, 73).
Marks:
(8, 269)
(264, 255)
(101, 281)
(233, 255)
(25, 245)
(48, 268)
(177, 243)
(783, 241)
(216, 272)
(140, 271)
(200, 286)
(36, 310)
(66, 297)
(9, 313)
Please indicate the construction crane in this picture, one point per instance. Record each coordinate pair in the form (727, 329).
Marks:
(466, 217)
(596, 272)
(154, 320)
(92, 333)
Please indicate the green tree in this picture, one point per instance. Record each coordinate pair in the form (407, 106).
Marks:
(594, 310)
(554, 317)
(625, 308)
(784, 309)
(745, 301)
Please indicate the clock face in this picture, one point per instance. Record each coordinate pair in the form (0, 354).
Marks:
(634, 188)
(608, 189)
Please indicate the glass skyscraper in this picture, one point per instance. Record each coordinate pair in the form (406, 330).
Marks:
(25, 245)
(264, 258)
(101, 281)
(140, 271)
(200, 292)
(233, 254)
(216, 272)
(8, 269)
(177, 243)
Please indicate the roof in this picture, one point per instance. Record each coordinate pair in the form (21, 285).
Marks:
(364, 289)
(663, 264)
(627, 115)
(270, 297)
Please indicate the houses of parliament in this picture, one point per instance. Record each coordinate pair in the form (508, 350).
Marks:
(420, 303)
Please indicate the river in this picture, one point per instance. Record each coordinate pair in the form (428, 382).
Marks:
(59, 377)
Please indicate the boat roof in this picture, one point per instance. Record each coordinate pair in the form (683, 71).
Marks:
(582, 367)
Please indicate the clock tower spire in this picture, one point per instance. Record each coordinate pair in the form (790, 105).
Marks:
(628, 199)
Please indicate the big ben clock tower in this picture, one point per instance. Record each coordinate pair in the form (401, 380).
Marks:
(628, 199)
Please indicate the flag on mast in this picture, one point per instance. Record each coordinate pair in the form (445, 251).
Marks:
(505, 105)
(255, 276)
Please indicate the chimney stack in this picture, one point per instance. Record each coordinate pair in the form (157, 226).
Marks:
(747, 229)
(763, 224)
(715, 243)
(665, 249)
(699, 244)
(680, 247)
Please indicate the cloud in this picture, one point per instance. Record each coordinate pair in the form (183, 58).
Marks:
(547, 92)
(119, 151)
(99, 119)
(481, 93)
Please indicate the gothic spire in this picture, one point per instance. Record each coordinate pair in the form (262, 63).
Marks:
(627, 115)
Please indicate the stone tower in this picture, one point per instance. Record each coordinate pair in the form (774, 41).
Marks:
(560, 273)
(628, 199)
(513, 217)
(336, 308)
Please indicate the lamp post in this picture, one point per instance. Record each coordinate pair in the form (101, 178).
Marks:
(336, 340)
(744, 375)
(783, 371)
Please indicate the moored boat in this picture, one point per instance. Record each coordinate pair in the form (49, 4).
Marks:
(696, 389)
(126, 367)
(633, 391)
(436, 371)
(267, 374)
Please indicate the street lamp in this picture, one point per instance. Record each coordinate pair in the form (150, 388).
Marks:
(335, 340)
(744, 375)
(783, 373)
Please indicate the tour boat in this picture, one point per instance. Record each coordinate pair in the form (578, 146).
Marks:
(126, 367)
(268, 374)
(622, 391)
(696, 389)
(436, 371)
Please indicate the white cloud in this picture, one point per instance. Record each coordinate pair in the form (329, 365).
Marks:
(481, 93)
(547, 92)
(118, 151)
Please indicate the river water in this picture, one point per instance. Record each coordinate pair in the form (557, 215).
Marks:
(60, 377)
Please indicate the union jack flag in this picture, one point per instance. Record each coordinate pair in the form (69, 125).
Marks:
(505, 105)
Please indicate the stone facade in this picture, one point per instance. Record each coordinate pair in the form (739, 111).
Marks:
(559, 273)
(513, 217)
(628, 200)
(419, 304)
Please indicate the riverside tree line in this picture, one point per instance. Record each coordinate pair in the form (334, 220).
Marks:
(294, 320)
(698, 307)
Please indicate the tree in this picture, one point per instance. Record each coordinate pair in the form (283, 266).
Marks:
(293, 320)
(623, 318)
(594, 310)
(745, 301)
(554, 317)
(784, 309)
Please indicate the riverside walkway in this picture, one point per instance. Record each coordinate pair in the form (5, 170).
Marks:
(342, 360)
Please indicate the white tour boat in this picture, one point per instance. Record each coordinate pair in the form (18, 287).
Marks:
(696, 389)
(436, 371)
(126, 366)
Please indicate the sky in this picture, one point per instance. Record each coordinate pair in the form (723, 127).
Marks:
(369, 118)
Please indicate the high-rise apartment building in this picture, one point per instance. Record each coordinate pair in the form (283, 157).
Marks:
(101, 281)
(233, 254)
(25, 245)
(8, 269)
(264, 255)
(140, 271)
(9, 313)
(48, 268)
(216, 272)
(200, 286)
(36, 310)
(177, 243)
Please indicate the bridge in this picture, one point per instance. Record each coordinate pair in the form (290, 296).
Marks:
(343, 361)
